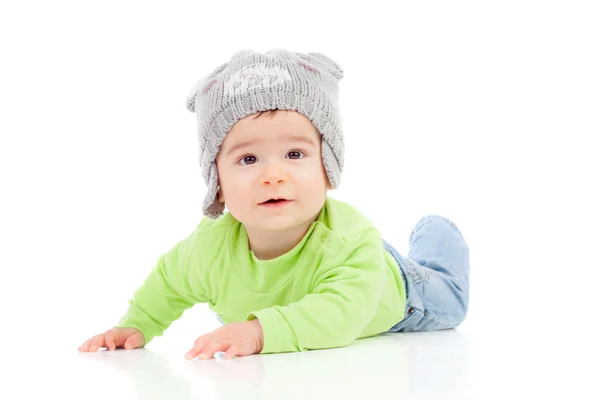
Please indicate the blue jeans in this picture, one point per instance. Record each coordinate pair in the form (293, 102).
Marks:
(436, 276)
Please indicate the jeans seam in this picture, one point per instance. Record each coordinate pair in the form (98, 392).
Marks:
(437, 319)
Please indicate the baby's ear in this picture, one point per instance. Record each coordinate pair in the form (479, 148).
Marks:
(220, 197)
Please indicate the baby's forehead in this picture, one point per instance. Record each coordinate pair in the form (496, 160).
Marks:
(254, 139)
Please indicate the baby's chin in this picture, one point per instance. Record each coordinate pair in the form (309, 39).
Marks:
(276, 223)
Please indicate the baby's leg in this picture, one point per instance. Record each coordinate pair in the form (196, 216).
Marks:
(437, 272)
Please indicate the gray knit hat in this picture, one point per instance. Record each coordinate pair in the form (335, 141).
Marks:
(251, 82)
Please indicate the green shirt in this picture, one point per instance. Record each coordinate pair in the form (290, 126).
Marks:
(336, 285)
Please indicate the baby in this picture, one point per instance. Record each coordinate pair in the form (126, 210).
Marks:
(288, 268)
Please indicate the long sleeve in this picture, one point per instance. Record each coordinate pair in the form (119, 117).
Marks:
(163, 296)
(344, 300)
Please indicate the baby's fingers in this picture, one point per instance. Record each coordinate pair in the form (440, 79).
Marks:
(93, 344)
(206, 348)
(109, 340)
(97, 343)
(213, 348)
(86, 346)
(232, 351)
(197, 349)
(134, 341)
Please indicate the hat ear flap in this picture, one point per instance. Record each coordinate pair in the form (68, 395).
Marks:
(202, 86)
(334, 68)
(193, 93)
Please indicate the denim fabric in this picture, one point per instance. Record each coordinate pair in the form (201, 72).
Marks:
(436, 274)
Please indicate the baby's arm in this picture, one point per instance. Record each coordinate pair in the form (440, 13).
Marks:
(169, 289)
(343, 302)
(164, 295)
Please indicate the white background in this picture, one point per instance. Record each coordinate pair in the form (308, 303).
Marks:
(484, 112)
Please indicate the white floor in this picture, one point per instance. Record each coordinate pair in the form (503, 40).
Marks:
(454, 364)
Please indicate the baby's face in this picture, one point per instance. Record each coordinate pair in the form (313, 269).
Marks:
(274, 156)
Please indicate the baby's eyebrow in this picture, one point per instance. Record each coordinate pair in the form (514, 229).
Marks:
(241, 145)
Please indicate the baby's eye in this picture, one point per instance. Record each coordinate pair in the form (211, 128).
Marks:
(248, 160)
(295, 155)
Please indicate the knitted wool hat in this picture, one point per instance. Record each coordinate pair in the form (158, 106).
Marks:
(251, 82)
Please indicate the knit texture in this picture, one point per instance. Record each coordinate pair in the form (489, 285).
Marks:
(276, 80)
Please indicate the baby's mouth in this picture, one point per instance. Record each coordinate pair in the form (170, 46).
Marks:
(275, 201)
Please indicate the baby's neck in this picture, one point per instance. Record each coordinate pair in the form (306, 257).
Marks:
(267, 245)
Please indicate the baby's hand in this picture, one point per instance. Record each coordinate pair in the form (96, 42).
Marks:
(128, 338)
(235, 339)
